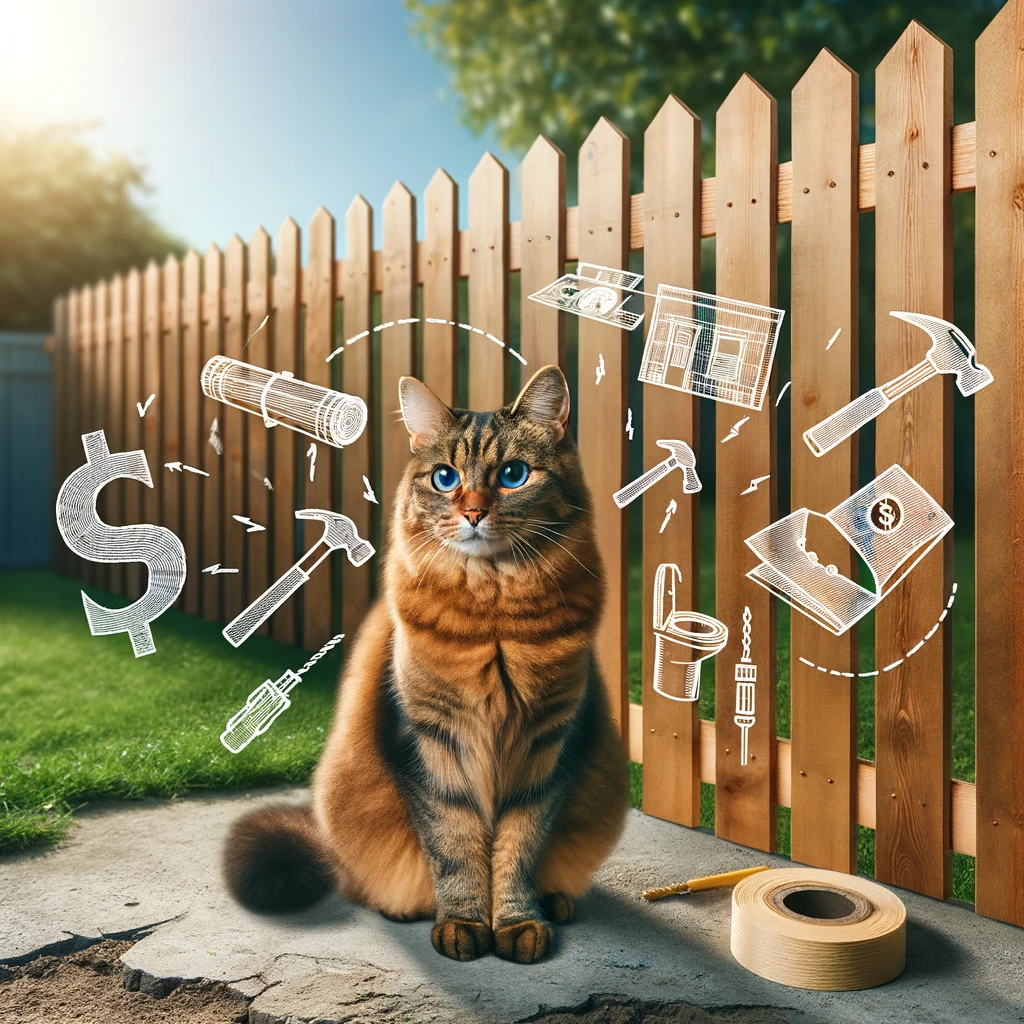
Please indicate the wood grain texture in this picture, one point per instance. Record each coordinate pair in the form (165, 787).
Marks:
(87, 393)
(359, 458)
(542, 244)
(233, 431)
(257, 494)
(439, 266)
(826, 122)
(101, 379)
(60, 453)
(318, 343)
(963, 179)
(746, 155)
(192, 436)
(488, 283)
(999, 473)
(211, 462)
(913, 271)
(173, 387)
(132, 424)
(671, 256)
(152, 358)
(601, 413)
(116, 410)
(73, 439)
(962, 794)
(284, 624)
(398, 302)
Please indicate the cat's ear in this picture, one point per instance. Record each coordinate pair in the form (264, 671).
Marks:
(545, 400)
(424, 413)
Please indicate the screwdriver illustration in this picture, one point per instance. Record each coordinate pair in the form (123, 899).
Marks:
(266, 703)
(746, 677)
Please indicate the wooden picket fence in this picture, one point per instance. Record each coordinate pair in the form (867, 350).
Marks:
(150, 331)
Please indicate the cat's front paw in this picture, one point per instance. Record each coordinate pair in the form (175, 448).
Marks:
(461, 940)
(524, 942)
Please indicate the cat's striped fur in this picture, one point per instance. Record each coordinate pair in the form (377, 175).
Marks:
(473, 774)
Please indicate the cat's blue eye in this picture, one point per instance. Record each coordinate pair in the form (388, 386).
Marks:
(445, 479)
(513, 474)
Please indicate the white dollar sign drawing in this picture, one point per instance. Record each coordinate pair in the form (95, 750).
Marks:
(88, 536)
(887, 514)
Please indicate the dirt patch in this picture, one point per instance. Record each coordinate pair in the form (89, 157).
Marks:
(619, 1010)
(87, 987)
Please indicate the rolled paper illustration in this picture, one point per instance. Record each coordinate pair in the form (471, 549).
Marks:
(284, 400)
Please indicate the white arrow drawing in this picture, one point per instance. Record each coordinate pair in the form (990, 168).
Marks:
(368, 493)
(311, 453)
(179, 466)
(754, 483)
(215, 440)
(629, 423)
(215, 569)
(142, 408)
(669, 512)
(246, 521)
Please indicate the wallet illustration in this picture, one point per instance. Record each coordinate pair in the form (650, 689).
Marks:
(891, 523)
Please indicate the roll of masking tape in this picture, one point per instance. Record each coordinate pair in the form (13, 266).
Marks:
(816, 929)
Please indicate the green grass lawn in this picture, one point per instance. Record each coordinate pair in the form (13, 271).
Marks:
(84, 720)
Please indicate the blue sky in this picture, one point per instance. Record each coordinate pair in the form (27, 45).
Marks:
(245, 111)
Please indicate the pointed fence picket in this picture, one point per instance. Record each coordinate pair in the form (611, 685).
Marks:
(152, 330)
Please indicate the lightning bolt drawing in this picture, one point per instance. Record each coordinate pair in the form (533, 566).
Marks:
(368, 493)
(215, 440)
(735, 430)
(267, 483)
(215, 569)
(785, 388)
(832, 340)
(600, 367)
(311, 453)
(246, 521)
(669, 512)
(629, 423)
(753, 483)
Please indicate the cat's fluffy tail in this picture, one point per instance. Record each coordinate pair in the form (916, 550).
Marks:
(274, 860)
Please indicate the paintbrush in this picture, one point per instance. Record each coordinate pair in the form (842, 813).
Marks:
(700, 884)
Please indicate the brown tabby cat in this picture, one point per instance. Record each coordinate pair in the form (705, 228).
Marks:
(473, 774)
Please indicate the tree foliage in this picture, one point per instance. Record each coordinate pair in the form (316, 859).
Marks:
(522, 67)
(68, 216)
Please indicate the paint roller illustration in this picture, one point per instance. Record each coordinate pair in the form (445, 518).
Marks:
(682, 640)
(283, 400)
(951, 352)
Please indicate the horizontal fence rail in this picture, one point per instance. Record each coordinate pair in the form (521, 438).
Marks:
(360, 321)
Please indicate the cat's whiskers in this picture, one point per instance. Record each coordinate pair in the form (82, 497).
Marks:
(545, 568)
(564, 548)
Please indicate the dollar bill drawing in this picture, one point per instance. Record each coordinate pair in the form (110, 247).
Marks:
(89, 537)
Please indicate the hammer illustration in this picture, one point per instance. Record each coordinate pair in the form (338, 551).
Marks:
(682, 457)
(339, 532)
(951, 352)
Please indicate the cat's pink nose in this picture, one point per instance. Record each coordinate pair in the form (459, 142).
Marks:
(474, 515)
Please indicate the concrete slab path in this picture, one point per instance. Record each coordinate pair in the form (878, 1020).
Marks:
(154, 867)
